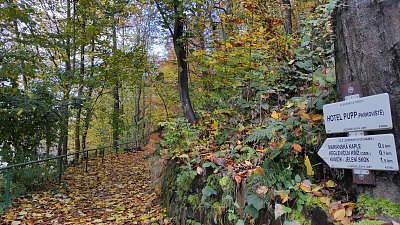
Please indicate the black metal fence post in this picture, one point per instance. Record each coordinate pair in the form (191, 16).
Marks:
(60, 170)
(102, 155)
(8, 189)
(86, 161)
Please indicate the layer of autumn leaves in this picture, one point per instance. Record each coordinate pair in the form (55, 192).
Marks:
(116, 192)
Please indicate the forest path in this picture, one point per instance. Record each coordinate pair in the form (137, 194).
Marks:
(120, 191)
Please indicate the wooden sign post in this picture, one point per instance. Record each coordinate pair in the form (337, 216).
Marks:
(357, 151)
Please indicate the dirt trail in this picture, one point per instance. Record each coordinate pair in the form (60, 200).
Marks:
(116, 192)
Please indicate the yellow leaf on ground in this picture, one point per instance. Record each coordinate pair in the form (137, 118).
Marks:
(214, 125)
(305, 186)
(307, 163)
(275, 115)
(330, 184)
(316, 117)
(20, 112)
(258, 171)
(326, 201)
(339, 214)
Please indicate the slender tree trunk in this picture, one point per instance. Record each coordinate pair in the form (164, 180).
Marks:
(149, 125)
(183, 68)
(368, 49)
(63, 143)
(89, 111)
(80, 90)
(115, 92)
(86, 122)
(137, 116)
(144, 120)
(288, 16)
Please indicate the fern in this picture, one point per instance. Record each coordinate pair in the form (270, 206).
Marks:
(259, 134)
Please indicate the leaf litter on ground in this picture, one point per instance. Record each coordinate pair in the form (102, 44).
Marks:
(120, 191)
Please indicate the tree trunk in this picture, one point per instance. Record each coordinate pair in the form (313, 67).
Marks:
(288, 16)
(63, 141)
(368, 49)
(89, 111)
(79, 111)
(144, 121)
(115, 91)
(137, 117)
(86, 122)
(183, 68)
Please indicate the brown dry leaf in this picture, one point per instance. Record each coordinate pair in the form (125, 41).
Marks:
(238, 179)
(284, 197)
(199, 170)
(349, 205)
(339, 214)
(248, 163)
(345, 220)
(317, 193)
(349, 212)
(296, 147)
(262, 190)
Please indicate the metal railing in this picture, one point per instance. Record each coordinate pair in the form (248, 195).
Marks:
(61, 160)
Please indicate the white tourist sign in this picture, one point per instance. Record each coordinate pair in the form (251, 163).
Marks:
(372, 152)
(361, 114)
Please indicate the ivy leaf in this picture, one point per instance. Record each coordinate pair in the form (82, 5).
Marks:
(291, 223)
(240, 222)
(280, 210)
(251, 209)
(257, 202)
(208, 191)
(297, 178)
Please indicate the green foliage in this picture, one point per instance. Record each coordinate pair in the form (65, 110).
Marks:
(254, 205)
(297, 215)
(370, 206)
(28, 179)
(194, 200)
(368, 222)
(184, 181)
(178, 138)
(313, 202)
(26, 120)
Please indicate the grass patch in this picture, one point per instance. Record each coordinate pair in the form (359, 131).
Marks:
(377, 207)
